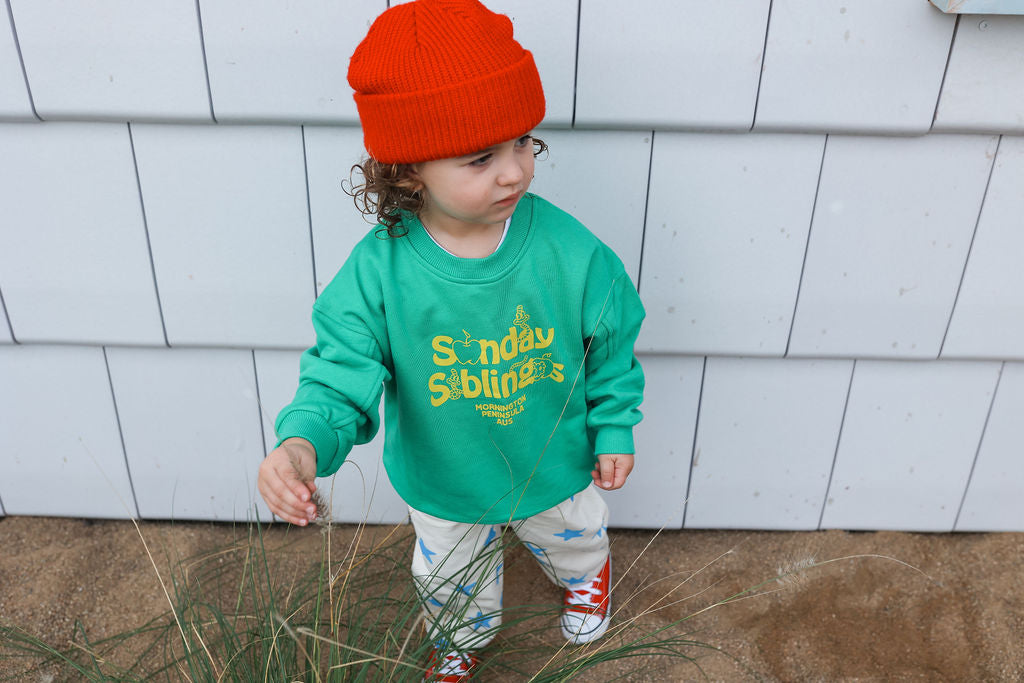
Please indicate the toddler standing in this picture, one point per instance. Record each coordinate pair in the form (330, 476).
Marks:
(498, 328)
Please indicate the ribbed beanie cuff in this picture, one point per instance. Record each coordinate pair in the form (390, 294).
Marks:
(442, 78)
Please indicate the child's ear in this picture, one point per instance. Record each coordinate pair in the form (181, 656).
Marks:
(412, 180)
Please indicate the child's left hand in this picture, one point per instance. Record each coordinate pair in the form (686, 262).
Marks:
(612, 469)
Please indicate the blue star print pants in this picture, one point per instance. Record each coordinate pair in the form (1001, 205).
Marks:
(458, 567)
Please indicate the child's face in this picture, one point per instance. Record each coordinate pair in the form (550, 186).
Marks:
(479, 189)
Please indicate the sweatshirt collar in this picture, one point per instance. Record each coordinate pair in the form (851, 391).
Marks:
(487, 268)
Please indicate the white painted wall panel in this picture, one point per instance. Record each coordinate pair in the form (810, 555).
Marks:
(840, 66)
(727, 224)
(228, 221)
(993, 500)
(669, 64)
(611, 202)
(14, 100)
(113, 59)
(909, 437)
(891, 231)
(191, 429)
(74, 262)
(984, 86)
(284, 60)
(62, 453)
(989, 317)
(766, 441)
(337, 225)
(360, 490)
(655, 493)
(5, 329)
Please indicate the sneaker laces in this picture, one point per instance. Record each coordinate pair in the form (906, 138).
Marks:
(589, 597)
(453, 663)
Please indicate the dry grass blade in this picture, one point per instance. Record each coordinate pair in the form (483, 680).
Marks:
(298, 643)
(205, 649)
(138, 530)
(374, 657)
(405, 643)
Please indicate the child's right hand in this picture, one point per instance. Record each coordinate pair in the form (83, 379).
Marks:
(286, 481)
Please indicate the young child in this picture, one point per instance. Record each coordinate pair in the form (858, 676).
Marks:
(499, 330)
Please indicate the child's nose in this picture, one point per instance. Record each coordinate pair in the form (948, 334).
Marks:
(511, 173)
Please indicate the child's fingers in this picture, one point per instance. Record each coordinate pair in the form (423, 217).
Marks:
(612, 469)
(279, 478)
(286, 495)
(289, 514)
(606, 466)
(282, 502)
(623, 466)
(291, 509)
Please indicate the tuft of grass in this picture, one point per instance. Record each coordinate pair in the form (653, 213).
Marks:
(252, 612)
(260, 611)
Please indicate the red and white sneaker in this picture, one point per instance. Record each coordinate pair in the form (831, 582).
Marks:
(450, 667)
(585, 615)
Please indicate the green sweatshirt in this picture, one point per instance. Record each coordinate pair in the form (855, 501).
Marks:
(503, 376)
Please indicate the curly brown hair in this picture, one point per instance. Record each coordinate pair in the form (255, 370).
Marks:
(388, 189)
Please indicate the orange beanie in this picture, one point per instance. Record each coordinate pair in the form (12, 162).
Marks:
(441, 78)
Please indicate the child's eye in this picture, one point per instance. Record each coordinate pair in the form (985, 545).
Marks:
(524, 141)
(480, 161)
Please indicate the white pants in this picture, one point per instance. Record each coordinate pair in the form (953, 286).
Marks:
(458, 567)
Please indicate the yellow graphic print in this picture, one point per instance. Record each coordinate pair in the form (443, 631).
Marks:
(495, 369)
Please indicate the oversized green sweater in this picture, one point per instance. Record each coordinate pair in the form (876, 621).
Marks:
(503, 376)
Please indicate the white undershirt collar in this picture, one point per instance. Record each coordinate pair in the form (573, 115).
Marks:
(504, 232)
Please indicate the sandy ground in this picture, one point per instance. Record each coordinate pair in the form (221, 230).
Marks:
(882, 606)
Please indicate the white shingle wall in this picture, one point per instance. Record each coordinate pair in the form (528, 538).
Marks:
(62, 451)
(727, 222)
(864, 66)
(14, 100)
(669, 64)
(191, 428)
(988, 320)
(892, 227)
(993, 499)
(113, 59)
(909, 438)
(5, 329)
(766, 441)
(73, 251)
(269, 62)
(228, 220)
(803, 272)
(984, 87)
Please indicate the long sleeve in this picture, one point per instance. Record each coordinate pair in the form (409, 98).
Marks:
(341, 378)
(614, 379)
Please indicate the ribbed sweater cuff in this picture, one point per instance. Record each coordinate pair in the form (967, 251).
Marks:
(314, 429)
(614, 440)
